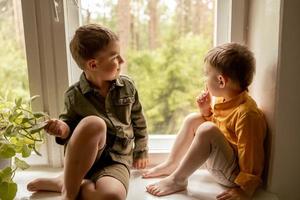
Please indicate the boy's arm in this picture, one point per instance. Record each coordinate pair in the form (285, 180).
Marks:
(140, 130)
(69, 117)
(251, 131)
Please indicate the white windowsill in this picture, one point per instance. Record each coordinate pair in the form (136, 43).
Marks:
(159, 148)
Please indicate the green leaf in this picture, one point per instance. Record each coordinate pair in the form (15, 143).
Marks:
(8, 130)
(14, 116)
(7, 151)
(25, 120)
(11, 131)
(6, 174)
(8, 191)
(26, 151)
(39, 114)
(18, 102)
(38, 127)
(21, 164)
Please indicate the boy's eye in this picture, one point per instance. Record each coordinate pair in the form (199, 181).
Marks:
(114, 57)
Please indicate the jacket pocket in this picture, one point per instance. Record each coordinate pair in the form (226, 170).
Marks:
(124, 101)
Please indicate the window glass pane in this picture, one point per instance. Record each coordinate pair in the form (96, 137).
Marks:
(163, 43)
(13, 66)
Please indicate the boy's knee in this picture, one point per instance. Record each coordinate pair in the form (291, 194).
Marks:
(206, 129)
(91, 127)
(193, 118)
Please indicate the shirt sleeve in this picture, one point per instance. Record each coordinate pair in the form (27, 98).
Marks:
(139, 129)
(69, 117)
(251, 131)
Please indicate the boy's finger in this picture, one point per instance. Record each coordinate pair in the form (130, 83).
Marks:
(49, 122)
(143, 164)
(139, 165)
(134, 164)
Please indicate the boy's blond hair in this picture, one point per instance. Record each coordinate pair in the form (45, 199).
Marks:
(235, 61)
(88, 41)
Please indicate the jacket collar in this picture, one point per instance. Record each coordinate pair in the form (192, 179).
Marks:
(86, 87)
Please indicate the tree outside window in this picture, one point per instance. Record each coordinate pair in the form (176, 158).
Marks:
(13, 66)
(163, 43)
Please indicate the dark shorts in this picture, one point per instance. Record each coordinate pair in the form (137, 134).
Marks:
(105, 166)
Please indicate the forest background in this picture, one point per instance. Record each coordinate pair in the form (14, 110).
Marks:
(162, 41)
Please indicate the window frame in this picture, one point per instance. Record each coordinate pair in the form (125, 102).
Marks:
(48, 28)
(45, 42)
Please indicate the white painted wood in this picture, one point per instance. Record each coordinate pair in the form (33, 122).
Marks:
(47, 64)
(230, 21)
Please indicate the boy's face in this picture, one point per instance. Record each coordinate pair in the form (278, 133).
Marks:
(213, 80)
(107, 64)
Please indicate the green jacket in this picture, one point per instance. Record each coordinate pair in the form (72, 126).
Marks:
(121, 110)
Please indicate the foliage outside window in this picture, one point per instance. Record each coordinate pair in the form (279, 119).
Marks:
(163, 43)
(13, 67)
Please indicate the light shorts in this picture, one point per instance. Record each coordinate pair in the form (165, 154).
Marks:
(105, 166)
(222, 162)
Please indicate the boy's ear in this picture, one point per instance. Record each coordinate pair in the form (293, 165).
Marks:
(91, 64)
(222, 80)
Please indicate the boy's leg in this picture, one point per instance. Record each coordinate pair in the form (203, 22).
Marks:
(88, 138)
(183, 140)
(46, 184)
(106, 188)
(196, 155)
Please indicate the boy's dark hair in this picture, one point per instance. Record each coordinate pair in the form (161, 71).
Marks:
(88, 41)
(235, 61)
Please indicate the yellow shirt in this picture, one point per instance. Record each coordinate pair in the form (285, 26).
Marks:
(244, 126)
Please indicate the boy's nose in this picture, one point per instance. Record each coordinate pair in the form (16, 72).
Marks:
(121, 60)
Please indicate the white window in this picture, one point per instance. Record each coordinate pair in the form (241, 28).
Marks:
(50, 24)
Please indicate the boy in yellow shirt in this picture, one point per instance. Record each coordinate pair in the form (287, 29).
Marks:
(227, 138)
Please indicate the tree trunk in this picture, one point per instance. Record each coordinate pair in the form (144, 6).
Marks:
(18, 23)
(123, 27)
(184, 16)
(153, 24)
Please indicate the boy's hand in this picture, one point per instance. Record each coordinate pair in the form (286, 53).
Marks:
(57, 128)
(203, 102)
(233, 194)
(140, 163)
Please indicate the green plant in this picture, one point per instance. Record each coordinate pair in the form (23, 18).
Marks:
(21, 132)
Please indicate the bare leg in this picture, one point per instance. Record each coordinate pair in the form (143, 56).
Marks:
(106, 188)
(82, 149)
(183, 141)
(46, 184)
(197, 154)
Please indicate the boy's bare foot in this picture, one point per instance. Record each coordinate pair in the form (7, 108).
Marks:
(166, 186)
(45, 184)
(163, 169)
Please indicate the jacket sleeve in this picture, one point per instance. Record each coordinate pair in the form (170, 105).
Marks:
(139, 129)
(69, 117)
(251, 131)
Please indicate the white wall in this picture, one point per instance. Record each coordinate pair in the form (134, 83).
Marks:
(274, 37)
